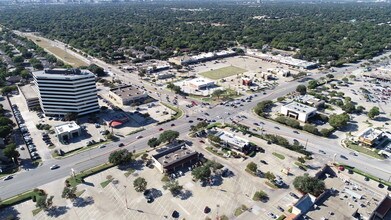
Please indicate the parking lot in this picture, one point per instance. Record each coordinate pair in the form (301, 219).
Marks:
(42, 143)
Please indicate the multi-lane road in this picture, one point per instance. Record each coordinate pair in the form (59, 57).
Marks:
(27, 180)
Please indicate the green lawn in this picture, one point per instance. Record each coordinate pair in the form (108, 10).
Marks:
(364, 150)
(279, 156)
(223, 72)
(105, 183)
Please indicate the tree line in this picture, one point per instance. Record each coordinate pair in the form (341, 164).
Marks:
(325, 32)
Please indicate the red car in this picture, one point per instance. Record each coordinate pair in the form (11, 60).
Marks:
(202, 142)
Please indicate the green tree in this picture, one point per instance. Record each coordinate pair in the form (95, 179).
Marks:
(69, 192)
(325, 132)
(173, 186)
(312, 84)
(330, 76)
(153, 142)
(140, 184)
(5, 121)
(349, 107)
(218, 93)
(8, 89)
(201, 173)
(120, 156)
(373, 112)
(11, 153)
(253, 167)
(18, 59)
(301, 159)
(260, 196)
(270, 176)
(99, 71)
(338, 121)
(307, 184)
(302, 89)
(168, 136)
(214, 139)
(262, 106)
(311, 129)
(42, 200)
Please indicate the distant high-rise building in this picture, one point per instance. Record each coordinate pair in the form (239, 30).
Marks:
(63, 91)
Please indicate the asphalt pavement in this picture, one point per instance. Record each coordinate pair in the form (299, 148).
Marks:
(26, 180)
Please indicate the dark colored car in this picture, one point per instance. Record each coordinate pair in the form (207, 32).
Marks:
(264, 162)
(121, 145)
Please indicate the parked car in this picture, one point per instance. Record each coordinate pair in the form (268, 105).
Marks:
(293, 195)
(121, 145)
(264, 162)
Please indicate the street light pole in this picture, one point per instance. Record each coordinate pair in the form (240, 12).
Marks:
(126, 199)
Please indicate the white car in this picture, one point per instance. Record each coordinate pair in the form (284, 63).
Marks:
(8, 178)
(54, 167)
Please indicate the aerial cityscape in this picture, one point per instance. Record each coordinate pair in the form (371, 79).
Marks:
(195, 110)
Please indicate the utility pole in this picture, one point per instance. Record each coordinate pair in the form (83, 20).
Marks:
(305, 147)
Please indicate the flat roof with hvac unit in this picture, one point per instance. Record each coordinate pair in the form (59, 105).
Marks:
(175, 157)
(67, 131)
(127, 94)
(298, 111)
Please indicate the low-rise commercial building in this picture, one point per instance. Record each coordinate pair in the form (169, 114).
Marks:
(310, 100)
(298, 111)
(67, 131)
(200, 83)
(230, 140)
(287, 60)
(157, 68)
(383, 210)
(127, 95)
(175, 157)
(30, 95)
(370, 136)
(203, 57)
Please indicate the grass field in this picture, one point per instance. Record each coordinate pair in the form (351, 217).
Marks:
(223, 72)
(58, 52)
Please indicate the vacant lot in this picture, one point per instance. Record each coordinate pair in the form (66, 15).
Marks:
(60, 53)
(223, 72)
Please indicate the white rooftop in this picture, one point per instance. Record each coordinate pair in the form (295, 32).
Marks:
(298, 107)
(67, 127)
(200, 81)
(232, 138)
(371, 133)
